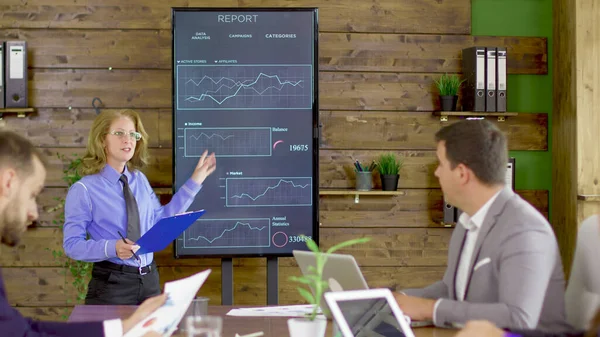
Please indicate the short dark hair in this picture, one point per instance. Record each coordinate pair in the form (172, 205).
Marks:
(18, 152)
(478, 144)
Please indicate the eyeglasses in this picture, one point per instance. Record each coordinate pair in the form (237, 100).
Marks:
(122, 134)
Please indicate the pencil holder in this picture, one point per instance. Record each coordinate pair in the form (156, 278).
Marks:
(364, 180)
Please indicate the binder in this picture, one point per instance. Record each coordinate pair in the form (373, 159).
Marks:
(2, 75)
(449, 213)
(490, 74)
(510, 173)
(473, 98)
(165, 231)
(501, 77)
(15, 84)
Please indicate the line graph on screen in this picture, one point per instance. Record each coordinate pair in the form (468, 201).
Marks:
(228, 233)
(247, 87)
(228, 142)
(271, 191)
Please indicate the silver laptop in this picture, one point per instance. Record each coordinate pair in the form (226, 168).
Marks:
(342, 273)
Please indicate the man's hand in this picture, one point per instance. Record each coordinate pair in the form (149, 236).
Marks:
(480, 328)
(152, 334)
(143, 311)
(206, 165)
(124, 250)
(417, 308)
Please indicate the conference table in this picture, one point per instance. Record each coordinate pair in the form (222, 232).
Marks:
(270, 326)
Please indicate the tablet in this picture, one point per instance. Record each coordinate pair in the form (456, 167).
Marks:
(368, 313)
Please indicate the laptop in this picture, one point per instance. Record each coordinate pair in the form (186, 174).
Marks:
(368, 313)
(342, 273)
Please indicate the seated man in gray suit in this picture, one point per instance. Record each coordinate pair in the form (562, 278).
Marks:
(503, 260)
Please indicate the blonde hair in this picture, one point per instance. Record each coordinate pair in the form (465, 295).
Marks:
(94, 159)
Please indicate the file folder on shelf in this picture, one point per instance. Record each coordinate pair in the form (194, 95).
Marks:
(501, 78)
(165, 231)
(490, 88)
(510, 173)
(1, 74)
(449, 213)
(15, 74)
(474, 71)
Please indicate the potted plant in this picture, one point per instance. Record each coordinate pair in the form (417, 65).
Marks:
(79, 270)
(389, 168)
(313, 326)
(448, 86)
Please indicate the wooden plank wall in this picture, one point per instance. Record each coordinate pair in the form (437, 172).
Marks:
(377, 61)
(576, 77)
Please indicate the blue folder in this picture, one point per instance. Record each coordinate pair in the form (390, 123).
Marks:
(165, 231)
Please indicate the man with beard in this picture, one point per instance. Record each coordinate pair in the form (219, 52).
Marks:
(22, 175)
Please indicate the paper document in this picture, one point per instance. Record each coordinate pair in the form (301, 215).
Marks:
(281, 311)
(165, 319)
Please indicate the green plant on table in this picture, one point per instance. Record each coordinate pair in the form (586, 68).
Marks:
(448, 85)
(314, 277)
(79, 270)
(389, 164)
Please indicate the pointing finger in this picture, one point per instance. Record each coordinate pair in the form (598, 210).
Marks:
(202, 158)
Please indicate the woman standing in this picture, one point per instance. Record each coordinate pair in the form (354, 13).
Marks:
(114, 198)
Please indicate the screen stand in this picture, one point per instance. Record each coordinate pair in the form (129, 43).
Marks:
(227, 281)
(272, 281)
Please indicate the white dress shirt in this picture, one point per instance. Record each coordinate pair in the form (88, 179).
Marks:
(472, 225)
(113, 328)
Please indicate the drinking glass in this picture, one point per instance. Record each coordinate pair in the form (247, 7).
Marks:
(198, 307)
(204, 326)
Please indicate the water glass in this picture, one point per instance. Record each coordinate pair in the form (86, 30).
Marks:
(204, 326)
(198, 307)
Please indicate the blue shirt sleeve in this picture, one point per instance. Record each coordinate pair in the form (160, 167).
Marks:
(180, 202)
(78, 215)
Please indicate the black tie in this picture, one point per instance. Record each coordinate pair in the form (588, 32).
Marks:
(133, 215)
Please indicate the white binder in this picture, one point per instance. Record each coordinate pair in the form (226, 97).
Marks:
(15, 84)
(490, 99)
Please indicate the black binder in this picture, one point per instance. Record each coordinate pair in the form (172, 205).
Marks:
(510, 173)
(2, 75)
(449, 213)
(501, 58)
(473, 98)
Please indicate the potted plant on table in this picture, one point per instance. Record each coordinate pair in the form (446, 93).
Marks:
(389, 169)
(312, 325)
(448, 86)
